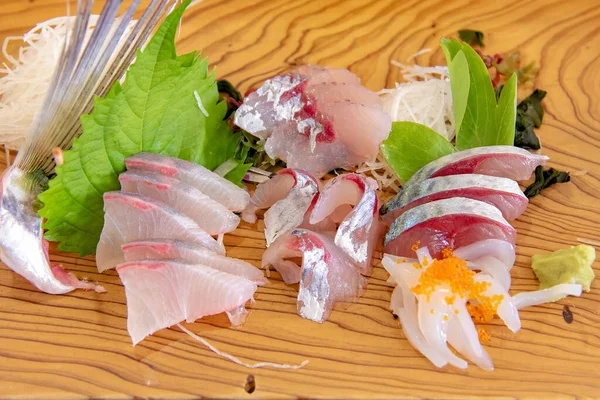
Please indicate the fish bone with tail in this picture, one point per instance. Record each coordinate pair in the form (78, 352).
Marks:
(87, 67)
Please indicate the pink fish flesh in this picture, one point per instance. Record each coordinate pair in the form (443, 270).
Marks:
(268, 193)
(448, 223)
(317, 119)
(162, 293)
(501, 161)
(130, 217)
(209, 183)
(360, 230)
(22, 246)
(326, 277)
(159, 249)
(502, 193)
(210, 215)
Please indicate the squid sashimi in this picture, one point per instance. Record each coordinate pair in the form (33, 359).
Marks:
(158, 249)
(327, 275)
(360, 230)
(501, 161)
(448, 223)
(209, 214)
(130, 217)
(209, 183)
(502, 193)
(162, 293)
(501, 250)
(316, 118)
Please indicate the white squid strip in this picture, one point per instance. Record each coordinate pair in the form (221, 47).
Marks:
(549, 295)
(495, 268)
(507, 310)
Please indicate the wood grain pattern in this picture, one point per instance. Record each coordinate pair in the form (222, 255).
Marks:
(76, 345)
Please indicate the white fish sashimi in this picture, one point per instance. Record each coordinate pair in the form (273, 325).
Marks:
(130, 217)
(159, 249)
(268, 193)
(501, 161)
(162, 293)
(209, 183)
(210, 215)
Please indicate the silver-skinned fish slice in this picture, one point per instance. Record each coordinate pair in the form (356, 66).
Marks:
(131, 217)
(501, 161)
(161, 249)
(22, 246)
(162, 293)
(316, 118)
(209, 214)
(209, 183)
(360, 230)
(448, 223)
(503, 193)
(327, 275)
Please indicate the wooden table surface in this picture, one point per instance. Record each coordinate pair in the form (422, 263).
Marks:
(77, 346)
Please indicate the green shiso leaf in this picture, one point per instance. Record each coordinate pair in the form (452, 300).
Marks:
(411, 146)
(155, 110)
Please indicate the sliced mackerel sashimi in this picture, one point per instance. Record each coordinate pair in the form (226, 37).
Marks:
(327, 275)
(360, 230)
(209, 214)
(209, 183)
(289, 194)
(316, 118)
(130, 217)
(160, 249)
(502, 193)
(448, 223)
(161, 293)
(501, 161)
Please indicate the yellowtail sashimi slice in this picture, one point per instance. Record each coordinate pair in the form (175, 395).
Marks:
(209, 183)
(162, 293)
(502, 193)
(448, 223)
(130, 217)
(158, 249)
(209, 214)
(501, 161)
(327, 275)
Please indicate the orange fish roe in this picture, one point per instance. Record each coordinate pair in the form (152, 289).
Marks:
(404, 260)
(416, 245)
(416, 265)
(432, 311)
(456, 312)
(447, 252)
(484, 336)
(425, 261)
(453, 272)
(445, 318)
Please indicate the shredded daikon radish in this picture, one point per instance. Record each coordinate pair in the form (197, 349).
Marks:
(236, 360)
(200, 105)
(424, 97)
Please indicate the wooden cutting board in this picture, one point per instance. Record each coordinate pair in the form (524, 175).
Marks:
(76, 345)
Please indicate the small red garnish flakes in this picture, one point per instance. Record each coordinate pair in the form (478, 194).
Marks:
(416, 245)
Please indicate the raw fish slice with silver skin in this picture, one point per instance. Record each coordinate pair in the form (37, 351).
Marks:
(448, 223)
(159, 249)
(327, 275)
(210, 215)
(505, 194)
(195, 175)
(22, 246)
(501, 161)
(277, 254)
(289, 212)
(359, 232)
(268, 193)
(162, 293)
(130, 217)
(318, 75)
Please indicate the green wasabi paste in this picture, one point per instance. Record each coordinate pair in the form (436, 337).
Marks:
(572, 265)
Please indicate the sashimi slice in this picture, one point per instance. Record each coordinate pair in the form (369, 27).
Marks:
(210, 215)
(159, 249)
(502, 193)
(448, 223)
(318, 74)
(268, 193)
(209, 183)
(327, 275)
(162, 293)
(501, 161)
(359, 232)
(130, 217)
(499, 249)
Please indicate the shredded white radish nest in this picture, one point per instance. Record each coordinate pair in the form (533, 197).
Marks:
(424, 97)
